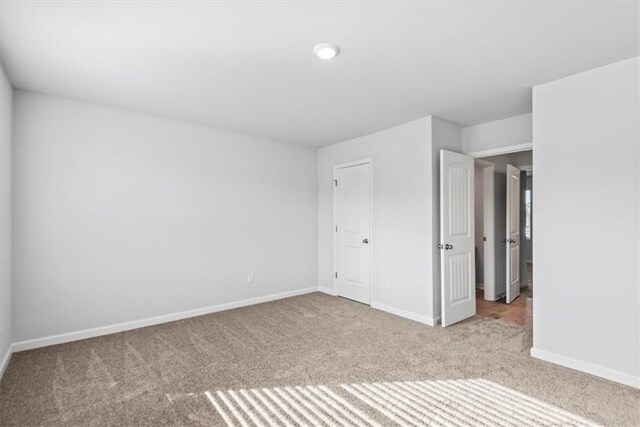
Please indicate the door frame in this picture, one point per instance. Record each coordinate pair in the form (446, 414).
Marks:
(365, 161)
(488, 224)
(490, 293)
(507, 149)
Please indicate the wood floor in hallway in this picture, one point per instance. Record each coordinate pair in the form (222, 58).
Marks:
(519, 312)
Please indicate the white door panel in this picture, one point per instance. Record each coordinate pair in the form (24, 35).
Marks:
(457, 261)
(352, 198)
(513, 233)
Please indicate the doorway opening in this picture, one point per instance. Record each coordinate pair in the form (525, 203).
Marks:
(503, 198)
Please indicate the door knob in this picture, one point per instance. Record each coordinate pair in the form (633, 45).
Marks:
(365, 241)
(448, 246)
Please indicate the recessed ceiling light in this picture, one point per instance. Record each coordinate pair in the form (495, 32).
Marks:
(326, 50)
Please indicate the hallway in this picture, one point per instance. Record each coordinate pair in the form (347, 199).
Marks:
(519, 312)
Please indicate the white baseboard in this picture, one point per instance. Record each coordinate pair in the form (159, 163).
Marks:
(325, 290)
(5, 360)
(406, 314)
(589, 368)
(126, 326)
(398, 312)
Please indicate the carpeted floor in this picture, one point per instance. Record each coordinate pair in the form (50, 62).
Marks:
(167, 374)
(402, 403)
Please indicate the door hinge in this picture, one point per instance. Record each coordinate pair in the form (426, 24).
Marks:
(336, 274)
(336, 228)
(335, 182)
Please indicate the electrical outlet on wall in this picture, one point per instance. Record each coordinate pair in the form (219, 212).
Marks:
(250, 278)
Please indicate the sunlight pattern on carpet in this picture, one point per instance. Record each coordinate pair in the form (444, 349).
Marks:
(472, 402)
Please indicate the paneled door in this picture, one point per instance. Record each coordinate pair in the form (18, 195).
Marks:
(352, 222)
(457, 240)
(513, 233)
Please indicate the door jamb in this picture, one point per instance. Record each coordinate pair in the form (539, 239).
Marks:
(488, 177)
(364, 161)
(508, 149)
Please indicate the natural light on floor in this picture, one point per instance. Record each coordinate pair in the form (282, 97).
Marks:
(469, 402)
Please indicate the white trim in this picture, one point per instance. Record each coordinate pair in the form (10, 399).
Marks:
(589, 368)
(490, 284)
(502, 150)
(483, 163)
(395, 311)
(369, 161)
(6, 359)
(135, 324)
(407, 314)
(325, 290)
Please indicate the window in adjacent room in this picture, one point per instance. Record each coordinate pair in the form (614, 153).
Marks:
(527, 210)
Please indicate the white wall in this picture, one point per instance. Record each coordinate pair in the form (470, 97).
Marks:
(497, 134)
(122, 216)
(6, 96)
(401, 220)
(587, 297)
(405, 213)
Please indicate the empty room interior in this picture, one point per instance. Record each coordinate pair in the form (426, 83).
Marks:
(309, 213)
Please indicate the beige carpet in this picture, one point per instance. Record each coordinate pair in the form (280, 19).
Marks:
(168, 374)
(409, 403)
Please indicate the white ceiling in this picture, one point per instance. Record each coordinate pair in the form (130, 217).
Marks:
(249, 67)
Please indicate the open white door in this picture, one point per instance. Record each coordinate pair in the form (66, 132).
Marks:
(457, 242)
(513, 233)
(352, 203)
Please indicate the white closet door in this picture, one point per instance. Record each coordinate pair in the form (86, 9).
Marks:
(352, 222)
